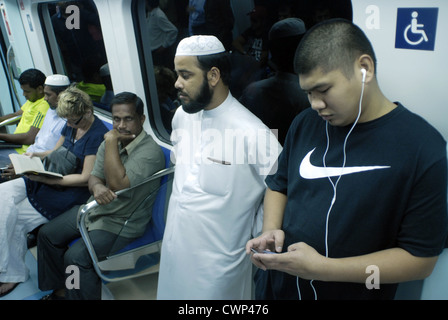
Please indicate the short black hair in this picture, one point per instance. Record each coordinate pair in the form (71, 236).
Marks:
(128, 98)
(218, 60)
(32, 77)
(331, 45)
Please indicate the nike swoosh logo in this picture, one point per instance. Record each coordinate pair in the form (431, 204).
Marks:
(309, 171)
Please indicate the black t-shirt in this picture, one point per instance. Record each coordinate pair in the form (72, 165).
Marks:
(392, 193)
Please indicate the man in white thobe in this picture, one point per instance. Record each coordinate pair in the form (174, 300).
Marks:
(223, 154)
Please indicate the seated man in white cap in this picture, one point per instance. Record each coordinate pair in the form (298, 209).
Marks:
(32, 115)
(50, 132)
(223, 154)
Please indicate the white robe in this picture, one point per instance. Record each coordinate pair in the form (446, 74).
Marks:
(222, 158)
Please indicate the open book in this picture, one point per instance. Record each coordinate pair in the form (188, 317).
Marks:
(26, 165)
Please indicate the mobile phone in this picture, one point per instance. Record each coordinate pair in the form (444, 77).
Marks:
(262, 251)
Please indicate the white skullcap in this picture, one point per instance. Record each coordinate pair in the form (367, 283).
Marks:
(57, 80)
(199, 46)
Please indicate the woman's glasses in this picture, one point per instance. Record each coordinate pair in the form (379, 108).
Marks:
(75, 123)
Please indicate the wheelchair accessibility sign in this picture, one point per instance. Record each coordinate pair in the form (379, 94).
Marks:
(416, 28)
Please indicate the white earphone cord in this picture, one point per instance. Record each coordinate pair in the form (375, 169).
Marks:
(343, 165)
(334, 184)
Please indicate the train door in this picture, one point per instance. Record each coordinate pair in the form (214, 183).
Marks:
(15, 58)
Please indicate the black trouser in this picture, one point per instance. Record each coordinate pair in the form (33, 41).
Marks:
(54, 256)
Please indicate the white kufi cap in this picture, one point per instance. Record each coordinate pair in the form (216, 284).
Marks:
(57, 80)
(199, 46)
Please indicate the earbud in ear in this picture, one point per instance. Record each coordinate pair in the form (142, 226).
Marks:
(364, 72)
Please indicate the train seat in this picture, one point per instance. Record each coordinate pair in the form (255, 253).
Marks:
(140, 257)
(102, 106)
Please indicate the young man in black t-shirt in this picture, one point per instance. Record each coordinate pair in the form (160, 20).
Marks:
(359, 201)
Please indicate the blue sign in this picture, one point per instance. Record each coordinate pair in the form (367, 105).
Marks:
(416, 28)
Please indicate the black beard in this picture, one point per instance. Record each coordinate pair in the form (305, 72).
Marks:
(202, 101)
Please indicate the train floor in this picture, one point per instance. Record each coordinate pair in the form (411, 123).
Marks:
(142, 288)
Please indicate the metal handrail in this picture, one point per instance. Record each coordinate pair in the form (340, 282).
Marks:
(91, 205)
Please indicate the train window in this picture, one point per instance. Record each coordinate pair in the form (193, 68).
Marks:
(74, 38)
(159, 26)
